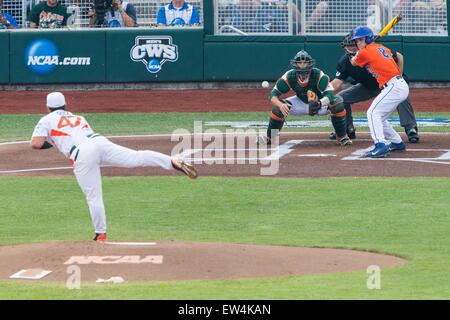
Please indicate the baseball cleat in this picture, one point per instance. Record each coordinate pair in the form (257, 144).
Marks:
(332, 136)
(351, 132)
(262, 140)
(413, 136)
(380, 150)
(401, 146)
(345, 141)
(187, 168)
(100, 237)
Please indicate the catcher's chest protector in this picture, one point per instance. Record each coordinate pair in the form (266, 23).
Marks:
(316, 81)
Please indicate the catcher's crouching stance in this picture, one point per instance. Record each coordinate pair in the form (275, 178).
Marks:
(314, 96)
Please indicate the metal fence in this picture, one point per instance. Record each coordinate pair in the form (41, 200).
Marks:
(328, 17)
(146, 10)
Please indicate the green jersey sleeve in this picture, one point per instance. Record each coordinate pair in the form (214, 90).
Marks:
(282, 86)
(324, 86)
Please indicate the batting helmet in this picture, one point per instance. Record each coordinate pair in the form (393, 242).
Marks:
(303, 56)
(363, 32)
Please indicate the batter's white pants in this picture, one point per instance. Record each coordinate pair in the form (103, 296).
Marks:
(395, 91)
(99, 151)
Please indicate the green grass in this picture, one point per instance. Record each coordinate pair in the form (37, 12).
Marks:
(20, 127)
(407, 217)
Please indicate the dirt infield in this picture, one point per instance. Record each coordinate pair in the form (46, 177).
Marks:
(219, 100)
(170, 260)
(300, 155)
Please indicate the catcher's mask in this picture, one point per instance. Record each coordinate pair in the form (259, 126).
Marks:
(303, 71)
(349, 45)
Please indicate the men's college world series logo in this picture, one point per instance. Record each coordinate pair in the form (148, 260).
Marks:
(153, 51)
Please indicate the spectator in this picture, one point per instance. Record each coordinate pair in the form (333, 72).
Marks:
(7, 21)
(49, 14)
(335, 15)
(255, 16)
(178, 13)
(122, 15)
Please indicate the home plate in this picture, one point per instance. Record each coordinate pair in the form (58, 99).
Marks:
(132, 243)
(316, 155)
(30, 274)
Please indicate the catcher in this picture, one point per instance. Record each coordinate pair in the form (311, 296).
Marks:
(314, 96)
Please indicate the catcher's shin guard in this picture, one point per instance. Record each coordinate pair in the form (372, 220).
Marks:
(338, 121)
(276, 121)
(338, 117)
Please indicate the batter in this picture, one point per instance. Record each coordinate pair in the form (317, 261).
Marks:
(378, 60)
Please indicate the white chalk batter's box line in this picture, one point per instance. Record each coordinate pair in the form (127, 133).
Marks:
(277, 153)
(168, 135)
(358, 155)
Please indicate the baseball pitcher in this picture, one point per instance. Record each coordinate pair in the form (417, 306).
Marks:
(88, 151)
(314, 96)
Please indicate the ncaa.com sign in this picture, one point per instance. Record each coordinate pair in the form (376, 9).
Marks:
(42, 56)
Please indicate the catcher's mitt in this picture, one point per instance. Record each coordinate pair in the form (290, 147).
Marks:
(313, 103)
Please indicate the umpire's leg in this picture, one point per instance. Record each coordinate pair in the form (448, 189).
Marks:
(354, 94)
(408, 120)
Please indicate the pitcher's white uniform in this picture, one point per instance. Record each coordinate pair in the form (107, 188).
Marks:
(88, 151)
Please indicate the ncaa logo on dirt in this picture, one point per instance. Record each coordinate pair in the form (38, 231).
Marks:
(154, 51)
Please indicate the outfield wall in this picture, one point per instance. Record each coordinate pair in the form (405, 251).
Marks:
(186, 55)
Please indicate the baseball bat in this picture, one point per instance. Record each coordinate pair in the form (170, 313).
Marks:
(389, 26)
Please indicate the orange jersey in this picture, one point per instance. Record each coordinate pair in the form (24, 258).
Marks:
(377, 59)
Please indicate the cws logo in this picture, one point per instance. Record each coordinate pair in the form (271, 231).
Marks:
(154, 51)
(42, 56)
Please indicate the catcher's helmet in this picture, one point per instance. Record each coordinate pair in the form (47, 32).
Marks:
(303, 56)
(363, 32)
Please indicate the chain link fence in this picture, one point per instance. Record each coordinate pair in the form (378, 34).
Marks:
(328, 17)
(146, 10)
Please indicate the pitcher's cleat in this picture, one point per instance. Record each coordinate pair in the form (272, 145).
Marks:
(187, 168)
(100, 237)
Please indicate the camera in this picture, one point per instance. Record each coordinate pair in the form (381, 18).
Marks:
(100, 8)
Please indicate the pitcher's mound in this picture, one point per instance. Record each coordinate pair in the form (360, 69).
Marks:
(172, 260)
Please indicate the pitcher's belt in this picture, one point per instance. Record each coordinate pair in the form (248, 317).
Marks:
(74, 147)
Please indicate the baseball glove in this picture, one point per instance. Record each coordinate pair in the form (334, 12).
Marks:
(313, 103)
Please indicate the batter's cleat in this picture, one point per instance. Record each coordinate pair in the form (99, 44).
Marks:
(401, 146)
(100, 237)
(187, 168)
(345, 141)
(263, 140)
(380, 150)
(413, 136)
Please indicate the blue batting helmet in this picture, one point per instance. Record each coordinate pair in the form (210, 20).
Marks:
(363, 32)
